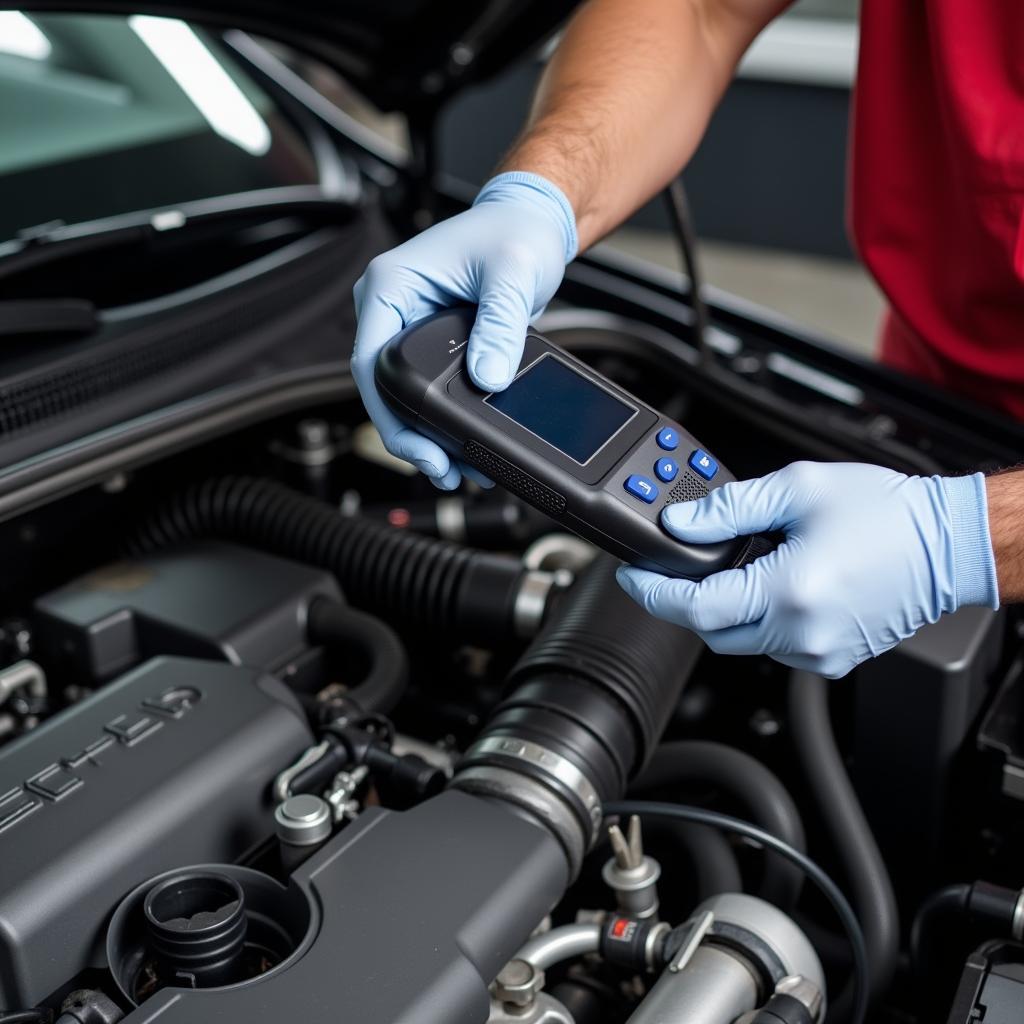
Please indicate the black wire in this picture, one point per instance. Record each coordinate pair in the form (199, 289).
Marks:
(828, 888)
(682, 223)
(39, 1015)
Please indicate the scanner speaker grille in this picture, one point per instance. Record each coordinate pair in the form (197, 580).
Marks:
(513, 479)
(687, 488)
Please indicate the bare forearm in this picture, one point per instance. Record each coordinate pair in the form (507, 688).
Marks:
(1006, 525)
(627, 97)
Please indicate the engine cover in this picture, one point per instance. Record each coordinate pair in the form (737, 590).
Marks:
(205, 599)
(411, 915)
(170, 764)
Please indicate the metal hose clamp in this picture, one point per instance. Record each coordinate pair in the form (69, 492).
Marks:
(562, 773)
(283, 783)
(1017, 921)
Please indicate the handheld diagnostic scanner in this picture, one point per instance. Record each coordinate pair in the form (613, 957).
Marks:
(564, 439)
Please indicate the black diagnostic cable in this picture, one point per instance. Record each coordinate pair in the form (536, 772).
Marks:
(682, 224)
(828, 888)
(902, 454)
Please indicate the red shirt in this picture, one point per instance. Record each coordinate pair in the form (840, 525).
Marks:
(937, 198)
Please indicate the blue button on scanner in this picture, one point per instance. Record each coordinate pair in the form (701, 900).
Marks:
(668, 439)
(703, 463)
(642, 488)
(666, 470)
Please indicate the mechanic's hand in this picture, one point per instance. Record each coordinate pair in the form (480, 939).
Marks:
(507, 254)
(869, 557)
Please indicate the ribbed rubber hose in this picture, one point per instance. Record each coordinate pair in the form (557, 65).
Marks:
(431, 583)
(332, 623)
(593, 693)
(599, 635)
(840, 811)
(764, 799)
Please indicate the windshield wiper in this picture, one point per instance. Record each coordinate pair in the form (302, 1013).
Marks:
(57, 240)
(48, 316)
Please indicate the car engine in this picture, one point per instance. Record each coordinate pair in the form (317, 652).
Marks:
(303, 738)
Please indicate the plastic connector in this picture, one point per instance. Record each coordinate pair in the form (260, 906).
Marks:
(403, 780)
(88, 1006)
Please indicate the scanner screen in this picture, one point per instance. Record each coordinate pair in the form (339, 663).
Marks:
(563, 408)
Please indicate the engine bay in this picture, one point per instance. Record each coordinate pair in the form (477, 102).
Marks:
(286, 731)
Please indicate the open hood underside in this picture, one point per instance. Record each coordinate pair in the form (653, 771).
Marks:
(401, 54)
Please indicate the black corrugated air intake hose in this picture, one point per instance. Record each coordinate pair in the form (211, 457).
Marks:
(836, 802)
(429, 583)
(587, 704)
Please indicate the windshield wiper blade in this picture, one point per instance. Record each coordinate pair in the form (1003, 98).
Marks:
(48, 316)
(57, 240)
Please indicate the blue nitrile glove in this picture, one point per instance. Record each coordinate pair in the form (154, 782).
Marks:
(507, 254)
(869, 557)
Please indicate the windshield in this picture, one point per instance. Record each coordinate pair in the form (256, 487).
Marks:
(102, 115)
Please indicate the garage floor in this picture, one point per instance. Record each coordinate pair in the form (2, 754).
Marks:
(833, 297)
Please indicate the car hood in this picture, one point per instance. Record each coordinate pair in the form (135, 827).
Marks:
(401, 54)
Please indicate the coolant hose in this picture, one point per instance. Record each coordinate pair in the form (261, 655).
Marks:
(947, 904)
(588, 702)
(433, 584)
(847, 828)
(332, 623)
(764, 799)
(713, 863)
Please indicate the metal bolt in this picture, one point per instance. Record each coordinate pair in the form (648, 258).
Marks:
(342, 792)
(303, 820)
(314, 433)
(115, 484)
(763, 723)
(518, 984)
(462, 55)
